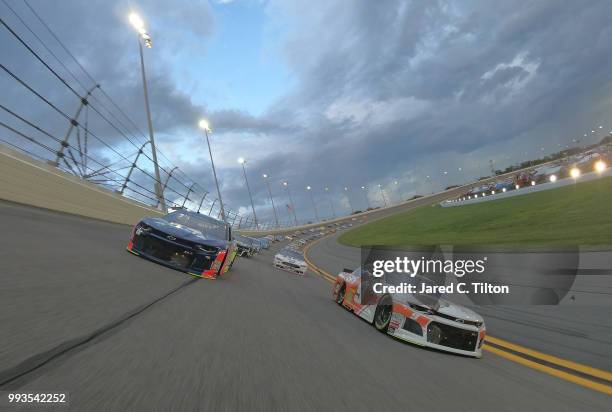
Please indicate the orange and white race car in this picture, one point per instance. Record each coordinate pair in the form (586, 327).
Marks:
(434, 323)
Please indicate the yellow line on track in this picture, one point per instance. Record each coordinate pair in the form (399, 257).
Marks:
(600, 387)
(567, 364)
(587, 370)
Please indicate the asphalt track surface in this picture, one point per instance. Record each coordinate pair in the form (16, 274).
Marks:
(579, 333)
(80, 314)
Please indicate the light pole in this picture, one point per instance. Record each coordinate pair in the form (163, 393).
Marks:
(204, 125)
(348, 196)
(265, 177)
(286, 184)
(382, 193)
(331, 203)
(365, 195)
(242, 161)
(146, 38)
(399, 197)
(314, 205)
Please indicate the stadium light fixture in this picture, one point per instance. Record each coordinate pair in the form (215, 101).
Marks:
(265, 177)
(242, 161)
(346, 189)
(553, 178)
(204, 125)
(575, 173)
(291, 206)
(600, 166)
(314, 205)
(136, 22)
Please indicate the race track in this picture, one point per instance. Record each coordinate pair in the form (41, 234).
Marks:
(580, 333)
(80, 314)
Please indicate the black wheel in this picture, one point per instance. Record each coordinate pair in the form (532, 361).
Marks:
(340, 295)
(382, 316)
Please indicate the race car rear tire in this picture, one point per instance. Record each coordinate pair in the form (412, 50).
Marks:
(382, 316)
(340, 295)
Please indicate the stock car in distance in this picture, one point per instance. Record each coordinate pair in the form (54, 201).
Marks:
(264, 242)
(244, 246)
(255, 244)
(290, 260)
(440, 325)
(197, 244)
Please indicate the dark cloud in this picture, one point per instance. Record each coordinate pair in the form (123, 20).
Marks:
(383, 91)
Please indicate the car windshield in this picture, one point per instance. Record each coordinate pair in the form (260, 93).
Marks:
(204, 224)
(292, 254)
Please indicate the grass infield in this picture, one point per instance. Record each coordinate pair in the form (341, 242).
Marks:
(579, 214)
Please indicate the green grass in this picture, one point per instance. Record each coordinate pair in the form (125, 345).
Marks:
(579, 214)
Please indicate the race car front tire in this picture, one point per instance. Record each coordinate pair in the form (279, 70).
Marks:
(340, 294)
(382, 316)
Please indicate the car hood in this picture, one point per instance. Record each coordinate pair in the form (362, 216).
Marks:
(184, 232)
(443, 306)
(458, 311)
(290, 259)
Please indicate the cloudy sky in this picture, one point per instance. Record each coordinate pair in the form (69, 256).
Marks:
(336, 93)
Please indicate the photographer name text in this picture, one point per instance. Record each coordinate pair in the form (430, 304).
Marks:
(461, 288)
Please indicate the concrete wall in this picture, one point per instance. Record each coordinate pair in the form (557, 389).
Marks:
(31, 182)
